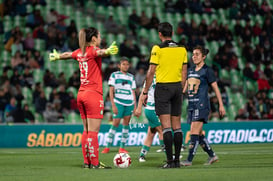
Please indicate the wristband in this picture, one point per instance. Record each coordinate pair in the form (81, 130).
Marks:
(144, 93)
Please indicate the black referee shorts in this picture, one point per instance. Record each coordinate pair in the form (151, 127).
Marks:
(168, 98)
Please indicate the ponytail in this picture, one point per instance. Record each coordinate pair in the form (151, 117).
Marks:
(82, 40)
(85, 36)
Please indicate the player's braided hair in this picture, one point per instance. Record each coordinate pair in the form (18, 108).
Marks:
(203, 50)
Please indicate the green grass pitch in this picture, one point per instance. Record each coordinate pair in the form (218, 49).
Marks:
(237, 162)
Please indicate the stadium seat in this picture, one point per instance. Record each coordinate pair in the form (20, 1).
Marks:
(73, 118)
(120, 38)
(143, 32)
(38, 118)
(38, 75)
(236, 79)
(197, 18)
(69, 11)
(47, 91)
(251, 86)
(27, 93)
(73, 90)
(122, 15)
(110, 38)
(105, 89)
(224, 74)
(159, 13)
(205, 16)
(7, 23)
(241, 63)
(232, 112)
(188, 17)
(39, 44)
(134, 61)
(144, 50)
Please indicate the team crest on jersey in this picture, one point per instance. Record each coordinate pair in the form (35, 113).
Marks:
(193, 85)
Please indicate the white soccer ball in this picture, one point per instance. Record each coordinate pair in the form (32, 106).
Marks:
(122, 160)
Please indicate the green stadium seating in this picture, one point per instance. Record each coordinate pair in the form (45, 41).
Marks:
(121, 16)
(73, 118)
(105, 89)
(134, 61)
(224, 74)
(39, 44)
(27, 93)
(38, 118)
(47, 90)
(73, 90)
(38, 75)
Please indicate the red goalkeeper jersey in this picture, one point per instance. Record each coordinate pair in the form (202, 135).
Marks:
(90, 69)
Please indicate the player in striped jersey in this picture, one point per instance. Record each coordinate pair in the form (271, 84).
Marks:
(122, 95)
(154, 123)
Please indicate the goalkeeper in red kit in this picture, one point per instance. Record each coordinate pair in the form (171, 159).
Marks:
(90, 94)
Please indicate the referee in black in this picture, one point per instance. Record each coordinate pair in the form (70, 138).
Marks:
(169, 62)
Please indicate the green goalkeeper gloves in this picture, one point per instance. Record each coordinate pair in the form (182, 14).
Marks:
(54, 56)
(112, 50)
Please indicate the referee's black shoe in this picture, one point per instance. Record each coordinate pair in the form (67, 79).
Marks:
(168, 165)
(176, 163)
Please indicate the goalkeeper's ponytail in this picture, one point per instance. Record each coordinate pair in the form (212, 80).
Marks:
(85, 37)
(82, 40)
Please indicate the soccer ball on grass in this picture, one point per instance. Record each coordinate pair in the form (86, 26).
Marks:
(122, 160)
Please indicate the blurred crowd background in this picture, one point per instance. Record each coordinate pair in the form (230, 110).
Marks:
(238, 33)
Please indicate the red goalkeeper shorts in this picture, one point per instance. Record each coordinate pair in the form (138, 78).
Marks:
(90, 104)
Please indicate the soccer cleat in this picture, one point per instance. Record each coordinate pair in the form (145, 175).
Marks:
(176, 163)
(85, 165)
(122, 150)
(142, 159)
(185, 163)
(168, 165)
(211, 160)
(162, 149)
(105, 150)
(183, 148)
(100, 166)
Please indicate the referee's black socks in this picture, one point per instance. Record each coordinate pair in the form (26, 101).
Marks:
(178, 140)
(168, 142)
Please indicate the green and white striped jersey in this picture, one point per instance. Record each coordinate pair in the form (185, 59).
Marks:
(151, 100)
(124, 84)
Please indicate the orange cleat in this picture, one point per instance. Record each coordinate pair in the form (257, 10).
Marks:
(105, 150)
(122, 150)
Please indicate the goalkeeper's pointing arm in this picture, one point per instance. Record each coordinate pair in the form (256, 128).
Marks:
(112, 50)
(59, 56)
